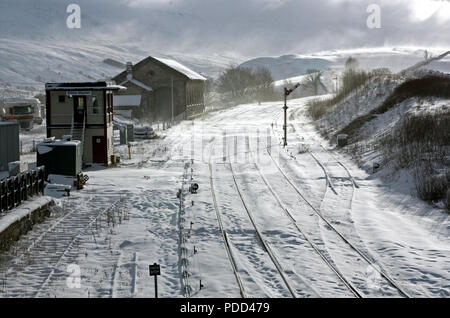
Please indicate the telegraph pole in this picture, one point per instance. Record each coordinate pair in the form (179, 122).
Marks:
(171, 93)
(286, 93)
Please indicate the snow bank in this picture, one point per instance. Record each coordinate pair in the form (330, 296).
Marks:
(24, 210)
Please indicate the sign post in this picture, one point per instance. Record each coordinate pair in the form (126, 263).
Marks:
(155, 270)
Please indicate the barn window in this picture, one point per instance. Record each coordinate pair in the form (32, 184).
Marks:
(94, 105)
(61, 98)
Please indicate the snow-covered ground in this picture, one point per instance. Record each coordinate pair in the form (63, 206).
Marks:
(275, 223)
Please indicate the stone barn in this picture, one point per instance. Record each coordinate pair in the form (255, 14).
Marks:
(168, 89)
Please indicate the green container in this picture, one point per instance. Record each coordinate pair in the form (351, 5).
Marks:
(60, 157)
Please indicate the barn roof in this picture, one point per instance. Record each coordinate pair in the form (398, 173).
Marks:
(181, 69)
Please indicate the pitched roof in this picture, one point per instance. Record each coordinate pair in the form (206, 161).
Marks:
(181, 69)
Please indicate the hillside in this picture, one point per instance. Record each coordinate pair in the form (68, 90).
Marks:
(26, 65)
(394, 58)
(398, 130)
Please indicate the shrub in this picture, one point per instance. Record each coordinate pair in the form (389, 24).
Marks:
(422, 141)
(303, 148)
(429, 86)
(424, 137)
(447, 200)
(352, 79)
(430, 187)
(243, 83)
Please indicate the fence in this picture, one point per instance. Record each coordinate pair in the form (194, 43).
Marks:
(19, 188)
(28, 146)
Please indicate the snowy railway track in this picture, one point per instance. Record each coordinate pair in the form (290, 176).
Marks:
(224, 234)
(328, 222)
(261, 238)
(342, 165)
(37, 259)
(67, 249)
(327, 176)
(47, 232)
(342, 193)
(348, 284)
(373, 264)
(129, 270)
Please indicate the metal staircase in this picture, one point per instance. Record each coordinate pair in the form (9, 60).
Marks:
(78, 132)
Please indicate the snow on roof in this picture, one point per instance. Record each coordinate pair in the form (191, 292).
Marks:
(181, 68)
(9, 123)
(20, 212)
(127, 100)
(11, 100)
(83, 85)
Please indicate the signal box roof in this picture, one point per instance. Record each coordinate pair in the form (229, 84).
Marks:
(82, 85)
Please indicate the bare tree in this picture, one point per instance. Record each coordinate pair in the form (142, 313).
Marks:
(263, 83)
(313, 80)
(352, 64)
(242, 81)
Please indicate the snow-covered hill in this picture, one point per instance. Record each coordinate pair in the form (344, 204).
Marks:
(28, 65)
(396, 59)
(399, 123)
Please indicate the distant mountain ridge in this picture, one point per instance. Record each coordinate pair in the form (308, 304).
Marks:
(287, 66)
(396, 59)
(27, 65)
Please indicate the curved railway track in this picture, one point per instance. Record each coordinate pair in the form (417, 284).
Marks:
(349, 285)
(333, 228)
(260, 236)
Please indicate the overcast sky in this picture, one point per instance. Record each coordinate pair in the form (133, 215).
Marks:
(239, 27)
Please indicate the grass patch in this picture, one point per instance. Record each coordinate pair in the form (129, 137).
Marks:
(422, 142)
(429, 86)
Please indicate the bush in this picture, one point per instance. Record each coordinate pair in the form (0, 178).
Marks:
(429, 126)
(422, 141)
(429, 86)
(447, 200)
(303, 148)
(422, 137)
(244, 83)
(430, 187)
(352, 79)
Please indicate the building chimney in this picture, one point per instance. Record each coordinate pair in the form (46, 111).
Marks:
(129, 70)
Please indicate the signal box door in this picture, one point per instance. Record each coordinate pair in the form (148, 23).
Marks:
(99, 154)
(79, 108)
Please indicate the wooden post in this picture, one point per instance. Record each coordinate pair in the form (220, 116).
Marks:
(156, 286)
